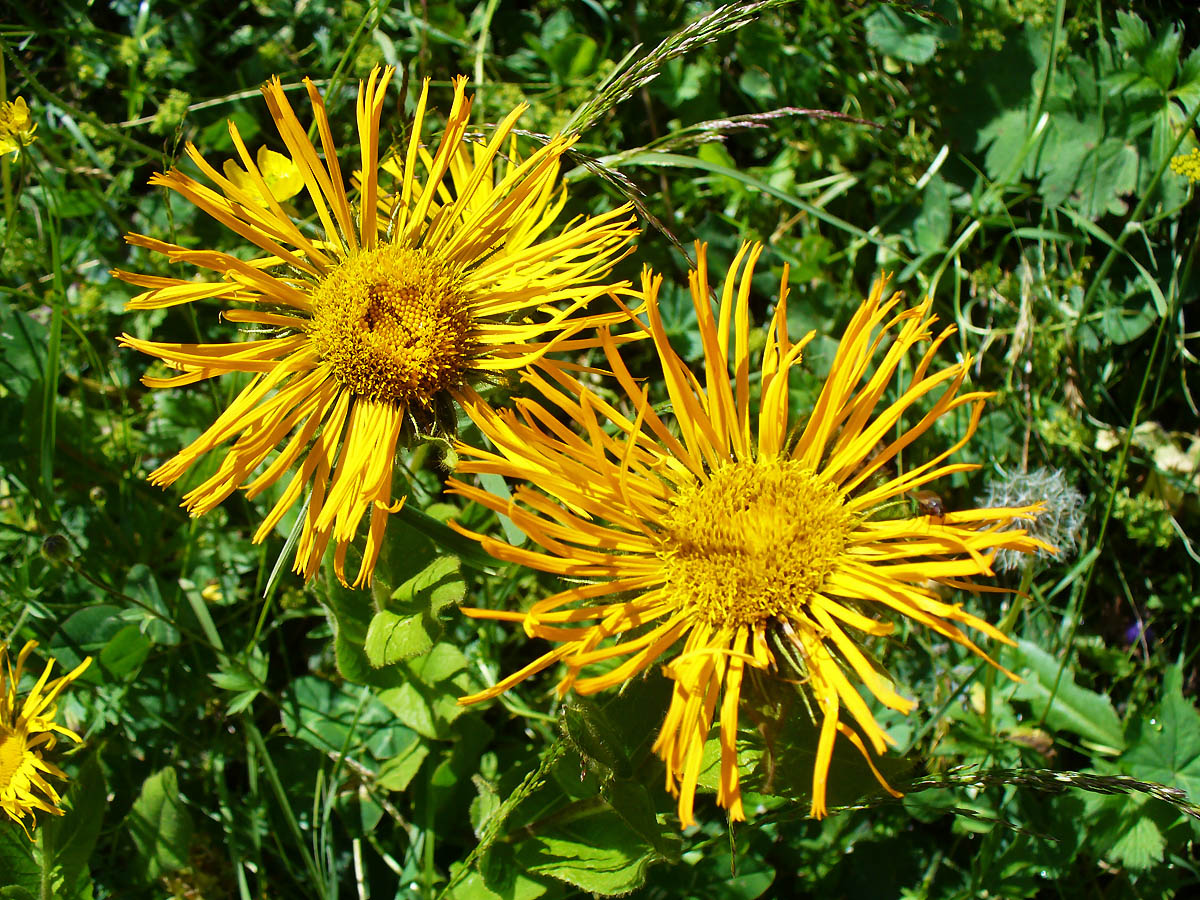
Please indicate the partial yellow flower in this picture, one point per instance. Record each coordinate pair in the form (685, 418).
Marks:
(27, 732)
(736, 538)
(280, 176)
(1187, 164)
(381, 316)
(16, 129)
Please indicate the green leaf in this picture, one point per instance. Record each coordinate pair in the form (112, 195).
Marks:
(125, 651)
(1107, 173)
(340, 718)
(599, 853)
(155, 619)
(350, 614)
(594, 738)
(1165, 747)
(1073, 708)
(160, 825)
(20, 860)
(901, 35)
(1187, 90)
(245, 674)
(1157, 58)
(929, 229)
(398, 772)
(631, 801)
(438, 585)
(408, 626)
(1141, 846)
(484, 805)
(498, 878)
(23, 343)
(1124, 830)
(74, 835)
(1004, 136)
(1132, 34)
(392, 638)
(427, 701)
(1121, 325)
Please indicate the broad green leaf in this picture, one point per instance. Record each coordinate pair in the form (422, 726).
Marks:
(427, 702)
(339, 718)
(593, 736)
(393, 638)
(431, 590)
(408, 626)
(929, 229)
(499, 878)
(126, 651)
(600, 854)
(1141, 846)
(443, 663)
(23, 343)
(901, 35)
(1120, 325)
(1165, 747)
(1004, 136)
(1107, 174)
(396, 773)
(1124, 830)
(20, 861)
(74, 834)
(160, 825)
(1073, 708)
(350, 613)
(631, 801)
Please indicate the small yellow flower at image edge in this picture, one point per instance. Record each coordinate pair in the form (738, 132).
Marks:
(1187, 165)
(744, 542)
(28, 732)
(17, 130)
(383, 317)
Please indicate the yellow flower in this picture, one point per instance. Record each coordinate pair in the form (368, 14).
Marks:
(27, 731)
(1187, 165)
(742, 541)
(16, 130)
(280, 176)
(381, 321)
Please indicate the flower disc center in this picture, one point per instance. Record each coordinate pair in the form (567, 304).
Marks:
(754, 542)
(393, 323)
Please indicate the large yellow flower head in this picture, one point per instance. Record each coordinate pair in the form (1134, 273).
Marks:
(381, 316)
(27, 732)
(736, 540)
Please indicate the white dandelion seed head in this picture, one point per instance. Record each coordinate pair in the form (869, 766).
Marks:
(1060, 524)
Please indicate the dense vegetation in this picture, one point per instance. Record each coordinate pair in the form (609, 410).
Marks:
(1009, 158)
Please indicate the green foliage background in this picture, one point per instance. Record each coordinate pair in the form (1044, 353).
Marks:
(1008, 157)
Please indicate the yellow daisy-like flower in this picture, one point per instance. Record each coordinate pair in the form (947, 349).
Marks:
(27, 732)
(16, 128)
(743, 542)
(381, 321)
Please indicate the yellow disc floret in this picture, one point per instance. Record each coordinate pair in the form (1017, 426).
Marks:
(393, 324)
(753, 542)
